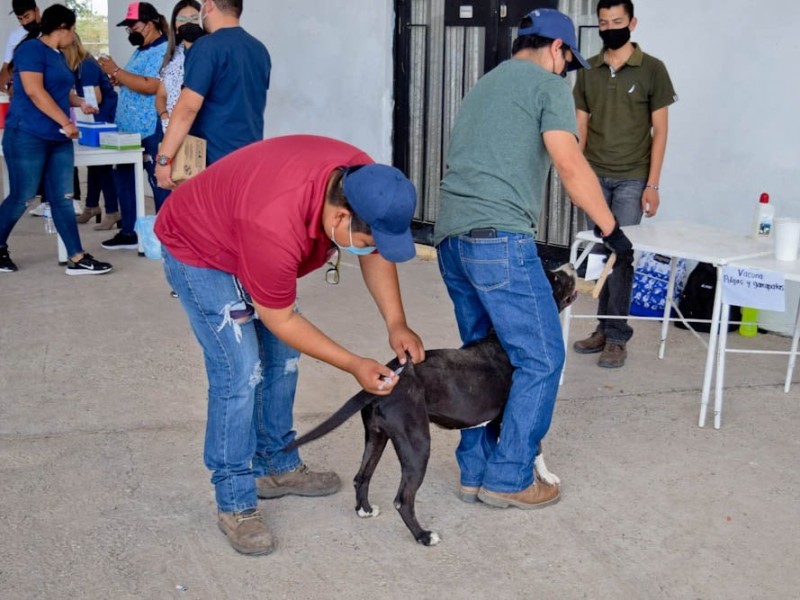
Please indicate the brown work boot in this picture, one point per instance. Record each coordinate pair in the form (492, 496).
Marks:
(613, 356)
(247, 532)
(536, 495)
(300, 482)
(591, 345)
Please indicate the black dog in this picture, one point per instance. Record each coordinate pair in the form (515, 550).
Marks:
(454, 389)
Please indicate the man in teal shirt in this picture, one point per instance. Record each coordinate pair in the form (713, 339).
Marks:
(517, 121)
(622, 123)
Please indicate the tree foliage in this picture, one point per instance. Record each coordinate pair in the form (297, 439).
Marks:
(92, 28)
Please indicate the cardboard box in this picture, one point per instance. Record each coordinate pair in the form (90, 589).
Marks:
(89, 133)
(115, 140)
(190, 159)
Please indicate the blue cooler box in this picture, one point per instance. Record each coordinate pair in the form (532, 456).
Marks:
(89, 133)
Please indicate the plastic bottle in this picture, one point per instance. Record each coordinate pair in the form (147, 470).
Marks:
(765, 214)
(749, 326)
(49, 227)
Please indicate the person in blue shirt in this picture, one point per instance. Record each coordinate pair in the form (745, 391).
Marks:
(136, 113)
(225, 89)
(101, 177)
(37, 143)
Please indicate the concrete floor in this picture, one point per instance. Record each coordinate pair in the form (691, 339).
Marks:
(104, 495)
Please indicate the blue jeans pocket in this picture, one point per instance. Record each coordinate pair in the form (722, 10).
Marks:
(485, 262)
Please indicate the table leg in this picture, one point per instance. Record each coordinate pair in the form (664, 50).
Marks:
(723, 345)
(139, 187)
(673, 269)
(793, 352)
(712, 346)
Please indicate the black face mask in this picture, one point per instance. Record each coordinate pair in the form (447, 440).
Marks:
(191, 32)
(615, 38)
(136, 39)
(32, 27)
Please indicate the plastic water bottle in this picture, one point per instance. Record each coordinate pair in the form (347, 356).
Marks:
(765, 214)
(49, 227)
(749, 326)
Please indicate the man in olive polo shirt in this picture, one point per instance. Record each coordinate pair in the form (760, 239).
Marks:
(622, 104)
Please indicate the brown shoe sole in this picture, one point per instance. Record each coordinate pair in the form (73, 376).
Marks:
(590, 350)
(499, 501)
(279, 492)
(468, 494)
(244, 550)
(608, 364)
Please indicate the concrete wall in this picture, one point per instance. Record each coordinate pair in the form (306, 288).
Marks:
(734, 132)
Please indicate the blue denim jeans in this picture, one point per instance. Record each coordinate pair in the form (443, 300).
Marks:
(126, 184)
(624, 198)
(30, 160)
(252, 377)
(499, 283)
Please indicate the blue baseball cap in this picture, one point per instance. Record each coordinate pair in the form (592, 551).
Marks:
(552, 24)
(386, 200)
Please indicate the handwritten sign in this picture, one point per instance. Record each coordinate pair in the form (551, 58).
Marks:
(755, 288)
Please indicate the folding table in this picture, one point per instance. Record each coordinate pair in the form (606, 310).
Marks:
(678, 239)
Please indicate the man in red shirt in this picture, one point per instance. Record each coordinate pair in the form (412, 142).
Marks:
(235, 239)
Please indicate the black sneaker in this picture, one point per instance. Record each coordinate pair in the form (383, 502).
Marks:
(6, 264)
(122, 241)
(88, 265)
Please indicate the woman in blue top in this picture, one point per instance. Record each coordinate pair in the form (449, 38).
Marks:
(101, 177)
(38, 138)
(136, 112)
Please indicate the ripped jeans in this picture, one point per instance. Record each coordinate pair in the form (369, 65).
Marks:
(252, 377)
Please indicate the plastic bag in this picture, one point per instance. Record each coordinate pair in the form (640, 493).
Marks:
(151, 244)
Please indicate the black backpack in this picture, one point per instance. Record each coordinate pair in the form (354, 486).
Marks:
(697, 299)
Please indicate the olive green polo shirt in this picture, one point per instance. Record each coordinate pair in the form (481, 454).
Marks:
(620, 106)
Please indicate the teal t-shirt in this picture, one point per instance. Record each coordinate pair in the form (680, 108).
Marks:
(497, 163)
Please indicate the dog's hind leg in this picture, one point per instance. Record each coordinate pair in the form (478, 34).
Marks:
(413, 449)
(374, 444)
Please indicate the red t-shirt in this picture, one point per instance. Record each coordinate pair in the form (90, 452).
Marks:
(257, 214)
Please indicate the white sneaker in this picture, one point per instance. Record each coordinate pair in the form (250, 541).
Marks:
(76, 204)
(39, 210)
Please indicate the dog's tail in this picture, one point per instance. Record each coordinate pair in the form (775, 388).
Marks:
(351, 407)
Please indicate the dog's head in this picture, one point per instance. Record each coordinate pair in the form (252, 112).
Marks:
(563, 281)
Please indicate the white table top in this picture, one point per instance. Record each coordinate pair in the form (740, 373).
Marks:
(691, 241)
(789, 269)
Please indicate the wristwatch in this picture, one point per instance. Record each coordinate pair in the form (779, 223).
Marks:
(162, 160)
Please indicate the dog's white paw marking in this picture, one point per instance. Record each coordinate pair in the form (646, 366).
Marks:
(435, 539)
(366, 515)
(545, 475)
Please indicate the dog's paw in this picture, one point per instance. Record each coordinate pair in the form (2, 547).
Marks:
(366, 515)
(544, 475)
(429, 538)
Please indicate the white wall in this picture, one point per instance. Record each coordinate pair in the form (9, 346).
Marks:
(734, 132)
(331, 66)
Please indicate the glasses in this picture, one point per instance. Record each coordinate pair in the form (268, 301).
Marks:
(332, 273)
(191, 19)
(130, 30)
